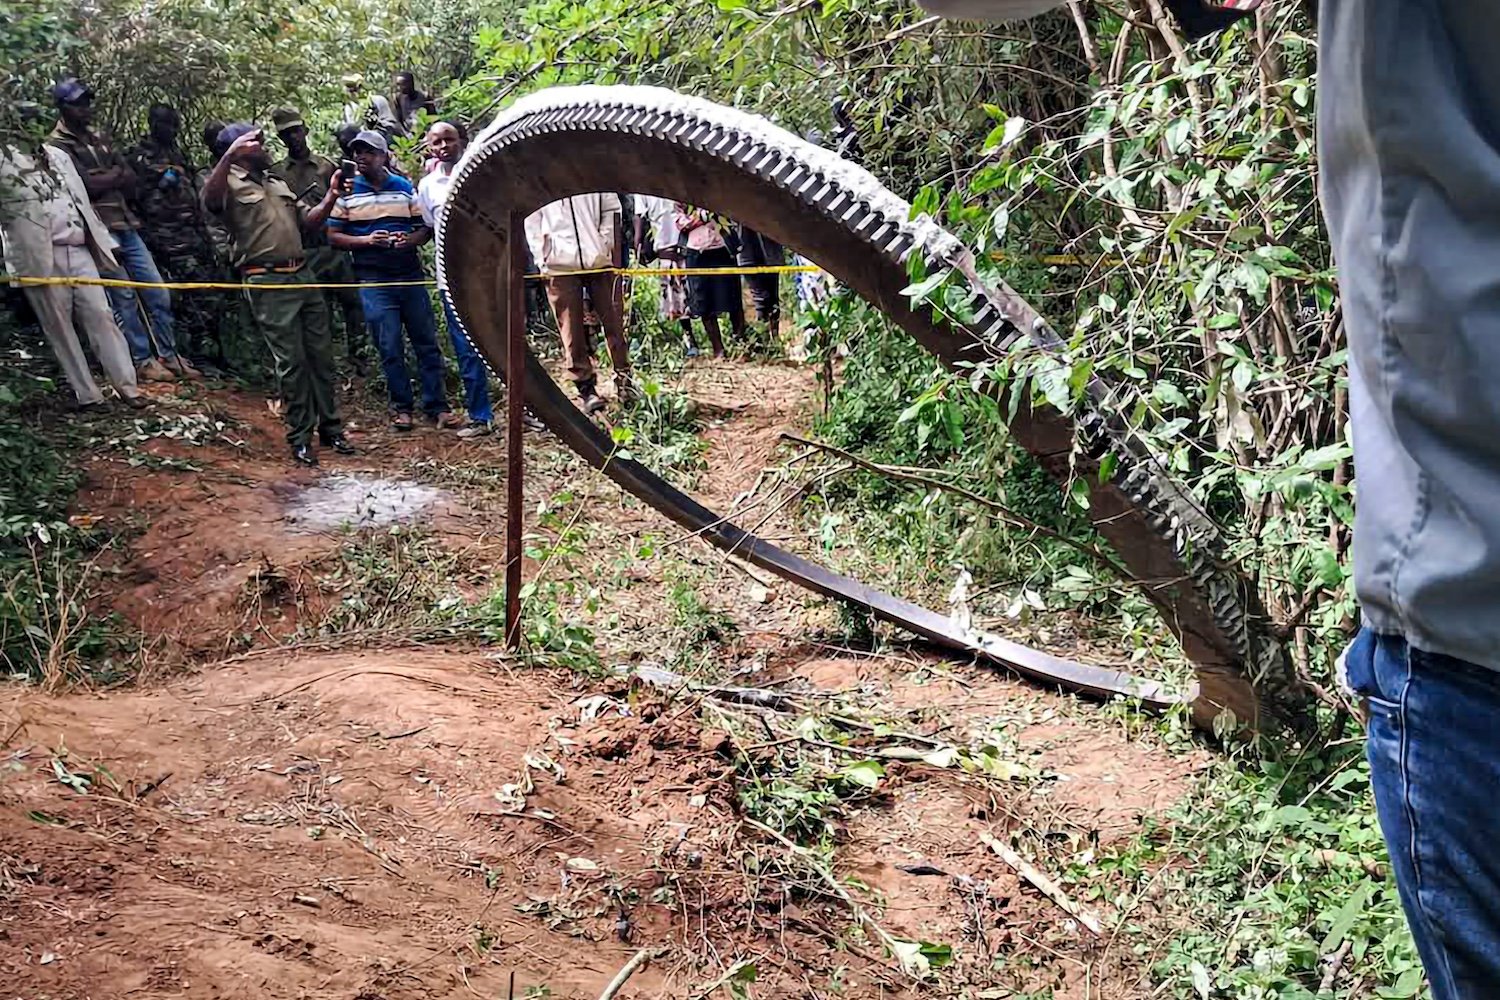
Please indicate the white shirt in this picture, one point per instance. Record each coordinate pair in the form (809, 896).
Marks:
(574, 234)
(663, 215)
(432, 192)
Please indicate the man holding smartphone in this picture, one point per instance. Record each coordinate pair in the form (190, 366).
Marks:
(266, 222)
(309, 175)
(380, 222)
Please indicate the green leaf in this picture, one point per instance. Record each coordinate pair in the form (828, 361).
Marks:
(1167, 394)
(1107, 466)
(937, 955)
(1079, 491)
(1329, 570)
(1177, 135)
(1343, 920)
(864, 773)
(919, 291)
(953, 423)
(1324, 459)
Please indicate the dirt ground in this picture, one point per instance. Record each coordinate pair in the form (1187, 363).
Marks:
(285, 815)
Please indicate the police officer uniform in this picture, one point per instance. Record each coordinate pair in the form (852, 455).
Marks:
(309, 181)
(264, 219)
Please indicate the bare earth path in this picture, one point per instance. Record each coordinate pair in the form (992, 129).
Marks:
(405, 820)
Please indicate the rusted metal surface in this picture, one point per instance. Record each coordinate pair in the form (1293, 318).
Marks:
(576, 140)
(515, 454)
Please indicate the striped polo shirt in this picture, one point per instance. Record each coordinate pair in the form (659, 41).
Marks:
(392, 207)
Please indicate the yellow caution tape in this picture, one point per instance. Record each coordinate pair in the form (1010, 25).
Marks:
(35, 281)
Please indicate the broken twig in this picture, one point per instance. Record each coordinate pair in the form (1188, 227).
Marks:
(625, 973)
(1048, 888)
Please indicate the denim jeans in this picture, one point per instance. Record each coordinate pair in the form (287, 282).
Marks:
(137, 265)
(1434, 733)
(470, 367)
(387, 311)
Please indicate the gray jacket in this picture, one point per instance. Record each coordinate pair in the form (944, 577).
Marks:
(1409, 146)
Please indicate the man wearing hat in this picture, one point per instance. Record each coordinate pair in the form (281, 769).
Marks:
(380, 222)
(174, 230)
(309, 174)
(266, 222)
(111, 183)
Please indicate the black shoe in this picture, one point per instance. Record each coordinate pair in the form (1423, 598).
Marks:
(588, 397)
(303, 454)
(340, 444)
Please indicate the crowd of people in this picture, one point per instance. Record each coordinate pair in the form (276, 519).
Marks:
(338, 240)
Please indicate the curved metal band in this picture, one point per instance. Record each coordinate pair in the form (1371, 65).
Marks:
(570, 141)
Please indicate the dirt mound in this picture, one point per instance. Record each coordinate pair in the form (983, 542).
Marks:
(368, 825)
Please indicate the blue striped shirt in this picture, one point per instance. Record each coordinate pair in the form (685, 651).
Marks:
(392, 207)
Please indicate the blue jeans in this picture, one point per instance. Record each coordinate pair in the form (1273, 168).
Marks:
(1434, 733)
(387, 311)
(137, 265)
(470, 367)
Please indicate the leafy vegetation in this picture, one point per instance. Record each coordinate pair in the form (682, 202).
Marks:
(48, 564)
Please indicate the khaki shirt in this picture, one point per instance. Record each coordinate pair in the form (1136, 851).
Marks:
(91, 154)
(263, 218)
(309, 182)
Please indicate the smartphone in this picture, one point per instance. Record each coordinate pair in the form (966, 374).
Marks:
(348, 168)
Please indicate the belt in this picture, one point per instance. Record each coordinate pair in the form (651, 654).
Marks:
(290, 267)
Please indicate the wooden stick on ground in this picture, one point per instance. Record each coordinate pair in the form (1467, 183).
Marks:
(625, 973)
(1049, 888)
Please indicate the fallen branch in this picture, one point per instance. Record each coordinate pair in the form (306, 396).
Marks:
(1048, 888)
(625, 973)
(860, 916)
(1335, 963)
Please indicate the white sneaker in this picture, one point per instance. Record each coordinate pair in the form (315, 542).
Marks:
(476, 428)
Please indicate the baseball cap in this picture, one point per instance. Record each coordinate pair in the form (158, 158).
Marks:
(285, 118)
(352, 79)
(70, 90)
(373, 139)
(233, 132)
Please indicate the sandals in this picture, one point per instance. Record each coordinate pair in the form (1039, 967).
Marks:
(401, 421)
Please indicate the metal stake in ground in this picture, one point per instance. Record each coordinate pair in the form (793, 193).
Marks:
(515, 401)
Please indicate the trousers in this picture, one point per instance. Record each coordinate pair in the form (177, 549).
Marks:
(64, 309)
(389, 311)
(565, 292)
(330, 265)
(471, 368)
(296, 329)
(1431, 745)
(137, 264)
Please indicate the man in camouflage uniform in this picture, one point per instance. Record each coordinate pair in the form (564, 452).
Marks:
(174, 230)
(308, 173)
